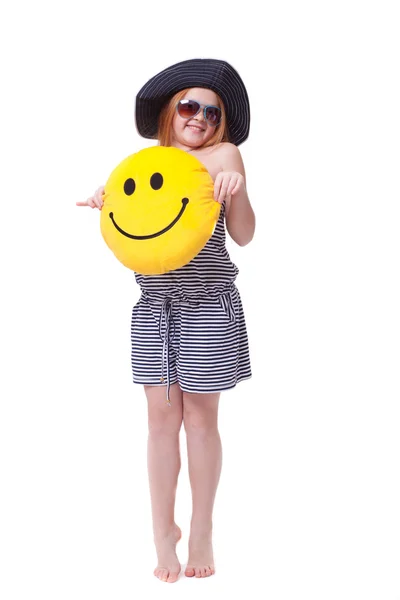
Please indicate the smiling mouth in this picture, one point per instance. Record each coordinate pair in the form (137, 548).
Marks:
(185, 202)
(195, 127)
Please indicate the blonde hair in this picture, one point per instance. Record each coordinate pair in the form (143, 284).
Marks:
(167, 115)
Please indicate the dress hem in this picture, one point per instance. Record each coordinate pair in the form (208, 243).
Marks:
(191, 391)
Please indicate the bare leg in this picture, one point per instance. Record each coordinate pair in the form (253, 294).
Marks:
(200, 416)
(164, 463)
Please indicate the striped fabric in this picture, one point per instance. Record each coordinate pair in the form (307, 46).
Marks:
(217, 75)
(188, 325)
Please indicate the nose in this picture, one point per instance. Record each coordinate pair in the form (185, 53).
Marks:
(200, 115)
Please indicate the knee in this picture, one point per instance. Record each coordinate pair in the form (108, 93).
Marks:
(198, 422)
(161, 424)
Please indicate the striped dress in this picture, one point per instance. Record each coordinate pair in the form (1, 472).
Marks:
(188, 325)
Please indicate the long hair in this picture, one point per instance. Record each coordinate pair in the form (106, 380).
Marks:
(167, 115)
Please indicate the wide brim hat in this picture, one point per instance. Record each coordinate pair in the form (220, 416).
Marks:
(217, 75)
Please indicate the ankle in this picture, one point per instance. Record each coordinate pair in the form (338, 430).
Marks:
(161, 532)
(201, 528)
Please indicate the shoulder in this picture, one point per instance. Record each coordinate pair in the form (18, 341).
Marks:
(230, 157)
(227, 149)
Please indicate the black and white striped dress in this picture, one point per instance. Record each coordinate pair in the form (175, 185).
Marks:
(188, 325)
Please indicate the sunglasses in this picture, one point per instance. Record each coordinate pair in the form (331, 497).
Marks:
(190, 108)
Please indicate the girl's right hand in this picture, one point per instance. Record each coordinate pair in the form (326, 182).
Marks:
(95, 201)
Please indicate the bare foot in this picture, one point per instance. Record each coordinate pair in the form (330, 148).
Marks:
(201, 559)
(169, 567)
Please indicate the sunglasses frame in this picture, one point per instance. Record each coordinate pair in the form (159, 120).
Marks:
(201, 106)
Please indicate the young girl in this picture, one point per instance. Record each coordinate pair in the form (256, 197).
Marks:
(202, 107)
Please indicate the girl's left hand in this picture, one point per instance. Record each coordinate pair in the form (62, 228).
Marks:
(227, 183)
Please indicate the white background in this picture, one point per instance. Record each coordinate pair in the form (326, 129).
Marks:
(308, 502)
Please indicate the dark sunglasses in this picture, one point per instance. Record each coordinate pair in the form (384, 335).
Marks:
(190, 108)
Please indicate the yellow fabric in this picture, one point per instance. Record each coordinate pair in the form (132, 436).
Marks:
(145, 219)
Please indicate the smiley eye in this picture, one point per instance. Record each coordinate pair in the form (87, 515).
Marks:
(156, 181)
(129, 187)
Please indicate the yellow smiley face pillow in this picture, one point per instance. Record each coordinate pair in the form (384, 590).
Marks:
(159, 210)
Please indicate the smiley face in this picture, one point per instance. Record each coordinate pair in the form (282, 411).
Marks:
(159, 210)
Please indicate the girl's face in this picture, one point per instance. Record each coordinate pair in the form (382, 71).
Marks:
(194, 132)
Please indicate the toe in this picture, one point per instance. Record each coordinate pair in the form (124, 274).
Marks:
(189, 572)
(197, 572)
(173, 576)
(208, 571)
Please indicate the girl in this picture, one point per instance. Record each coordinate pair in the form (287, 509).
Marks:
(202, 107)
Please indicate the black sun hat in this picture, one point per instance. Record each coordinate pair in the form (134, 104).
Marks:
(217, 75)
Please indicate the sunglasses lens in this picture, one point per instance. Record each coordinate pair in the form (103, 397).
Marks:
(213, 115)
(188, 108)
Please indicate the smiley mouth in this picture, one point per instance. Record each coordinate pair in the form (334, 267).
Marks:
(185, 202)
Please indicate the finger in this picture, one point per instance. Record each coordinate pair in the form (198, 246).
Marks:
(99, 200)
(81, 203)
(217, 186)
(238, 185)
(222, 193)
(232, 185)
(236, 188)
(221, 199)
(219, 182)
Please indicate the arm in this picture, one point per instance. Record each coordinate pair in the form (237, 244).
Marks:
(231, 185)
